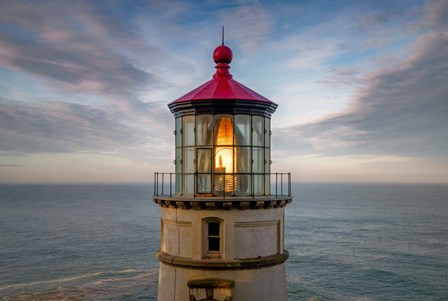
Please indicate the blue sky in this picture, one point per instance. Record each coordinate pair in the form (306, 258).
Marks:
(361, 85)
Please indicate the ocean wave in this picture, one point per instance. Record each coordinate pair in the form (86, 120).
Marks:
(72, 278)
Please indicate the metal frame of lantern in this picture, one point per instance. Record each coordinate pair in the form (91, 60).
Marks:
(202, 167)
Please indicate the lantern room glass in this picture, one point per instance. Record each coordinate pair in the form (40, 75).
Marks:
(222, 155)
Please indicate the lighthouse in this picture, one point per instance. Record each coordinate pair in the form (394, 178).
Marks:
(222, 209)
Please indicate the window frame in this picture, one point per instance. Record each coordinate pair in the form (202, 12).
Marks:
(207, 253)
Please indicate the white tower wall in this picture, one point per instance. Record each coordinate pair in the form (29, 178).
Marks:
(252, 253)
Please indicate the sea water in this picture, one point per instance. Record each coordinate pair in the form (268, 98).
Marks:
(346, 242)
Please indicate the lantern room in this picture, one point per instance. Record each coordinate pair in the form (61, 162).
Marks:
(223, 137)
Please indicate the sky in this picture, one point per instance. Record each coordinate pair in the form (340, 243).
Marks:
(362, 86)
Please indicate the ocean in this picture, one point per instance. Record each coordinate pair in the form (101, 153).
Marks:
(346, 242)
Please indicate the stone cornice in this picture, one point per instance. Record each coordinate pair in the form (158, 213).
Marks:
(219, 264)
(241, 203)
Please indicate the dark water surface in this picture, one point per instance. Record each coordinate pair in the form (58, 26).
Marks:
(346, 242)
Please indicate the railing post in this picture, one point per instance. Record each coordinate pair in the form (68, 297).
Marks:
(276, 182)
(163, 180)
(157, 184)
(195, 184)
(281, 184)
(224, 186)
(289, 184)
(171, 184)
(154, 185)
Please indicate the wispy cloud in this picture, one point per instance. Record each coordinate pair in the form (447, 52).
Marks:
(248, 24)
(401, 110)
(72, 45)
(79, 50)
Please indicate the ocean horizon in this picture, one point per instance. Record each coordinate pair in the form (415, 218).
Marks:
(346, 242)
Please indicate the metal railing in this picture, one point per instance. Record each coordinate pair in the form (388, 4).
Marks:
(165, 185)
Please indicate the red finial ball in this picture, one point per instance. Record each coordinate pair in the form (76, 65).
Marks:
(222, 54)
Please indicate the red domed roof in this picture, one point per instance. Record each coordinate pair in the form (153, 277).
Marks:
(222, 85)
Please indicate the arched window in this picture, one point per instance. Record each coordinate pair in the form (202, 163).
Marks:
(213, 237)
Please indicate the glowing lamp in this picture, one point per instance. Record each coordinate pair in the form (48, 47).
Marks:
(225, 156)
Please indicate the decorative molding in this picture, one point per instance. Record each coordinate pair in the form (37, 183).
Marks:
(257, 224)
(257, 203)
(215, 264)
(178, 223)
(210, 283)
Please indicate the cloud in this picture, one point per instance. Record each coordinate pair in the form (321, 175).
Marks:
(436, 13)
(248, 24)
(58, 127)
(402, 110)
(92, 57)
(74, 46)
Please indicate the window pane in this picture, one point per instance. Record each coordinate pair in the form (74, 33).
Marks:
(243, 185)
(178, 160)
(267, 184)
(188, 161)
(218, 183)
(267, 132)
(213, 243)
(243, 160)
(224, 130)
(188, 130)
(205, 160)
(267, 160)
(189, 184)
(178, 131)
(258, 185)
(242, 129)
(204, 129)
(178, 170)
(258, 131)
(204, 183)
(258, 160)
(213, 229)
(178, 183)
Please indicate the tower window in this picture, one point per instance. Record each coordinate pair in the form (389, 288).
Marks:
(213, 237)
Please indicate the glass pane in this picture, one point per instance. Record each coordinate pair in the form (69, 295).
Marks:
(243, 160)
(267, 184)
(204, 183)
(258, 131)
(213, 229)
(213, 243)
(188, 130)
(242, 129)
(218, 183)
(188, 161)
(178, 160)
(204, 129)
(204, 160)
(178, 183)
(189, 184)
(258, 160)
(258, 185)
(267, 132)
(243, 185)
(223, 130)
(178, 170)
(267, 160)
(178, 131)
(224, 151)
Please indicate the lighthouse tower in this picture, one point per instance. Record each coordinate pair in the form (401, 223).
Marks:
(222, 210)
